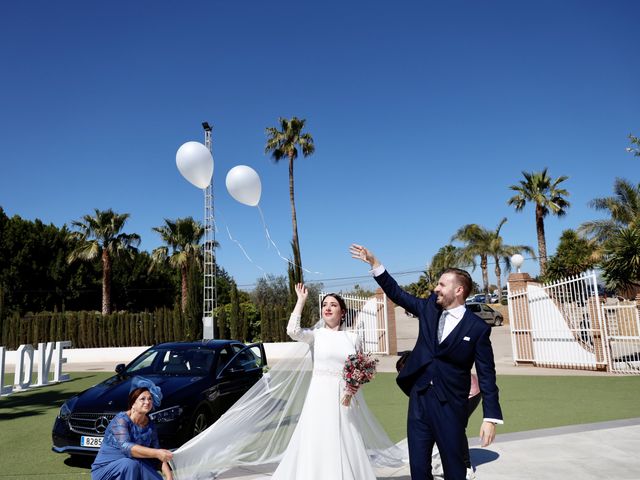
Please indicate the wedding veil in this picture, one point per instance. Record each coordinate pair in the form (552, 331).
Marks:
(257, 428)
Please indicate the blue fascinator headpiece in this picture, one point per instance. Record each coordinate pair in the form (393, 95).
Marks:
(154, 390)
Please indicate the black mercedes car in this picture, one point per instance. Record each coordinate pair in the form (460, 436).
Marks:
(199, 382)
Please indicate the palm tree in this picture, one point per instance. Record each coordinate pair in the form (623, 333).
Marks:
(449, 256)
(182, 238)
(635, 146)
(446, 257)
(621, 264)
(100, 235)
(476, 240)
(623, 209)
(573, 256)
(539, 188)
(500, 251)
(482, 242)
(285, 143)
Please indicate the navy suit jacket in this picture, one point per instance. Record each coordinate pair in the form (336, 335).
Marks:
(446, 367)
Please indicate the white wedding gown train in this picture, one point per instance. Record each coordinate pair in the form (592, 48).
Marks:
(327, 442)
(294, 417)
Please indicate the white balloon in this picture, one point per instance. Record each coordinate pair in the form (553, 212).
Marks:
(243, 184)
(195, 163)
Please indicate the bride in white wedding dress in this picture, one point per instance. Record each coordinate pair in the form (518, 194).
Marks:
(295, 418)
(327, 442)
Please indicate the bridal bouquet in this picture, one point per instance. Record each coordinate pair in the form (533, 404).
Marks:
(359, 368)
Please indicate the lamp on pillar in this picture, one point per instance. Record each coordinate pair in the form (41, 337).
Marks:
(517, 260)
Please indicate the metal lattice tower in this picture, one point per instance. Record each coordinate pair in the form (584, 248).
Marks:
(210, 294)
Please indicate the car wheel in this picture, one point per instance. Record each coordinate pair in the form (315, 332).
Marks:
(201, 421)
(498, 321)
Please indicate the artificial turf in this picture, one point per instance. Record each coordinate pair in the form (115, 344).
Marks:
(528, 402)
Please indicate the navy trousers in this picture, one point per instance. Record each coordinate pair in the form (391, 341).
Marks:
(432, 421)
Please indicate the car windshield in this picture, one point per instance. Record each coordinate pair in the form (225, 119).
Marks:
(166, 361)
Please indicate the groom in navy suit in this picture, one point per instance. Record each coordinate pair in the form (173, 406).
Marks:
(437, 375)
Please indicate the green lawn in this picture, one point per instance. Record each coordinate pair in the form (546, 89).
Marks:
(528, 403)
(25, 430)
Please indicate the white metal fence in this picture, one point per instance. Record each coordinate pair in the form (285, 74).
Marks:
(563, 325)
(557, 325)
(368, 318)
(622, 331)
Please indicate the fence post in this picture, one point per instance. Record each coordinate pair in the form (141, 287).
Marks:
(519, 320)
(597, 328)
(391, 321)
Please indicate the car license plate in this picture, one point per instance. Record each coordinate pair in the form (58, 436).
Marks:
(93, 442)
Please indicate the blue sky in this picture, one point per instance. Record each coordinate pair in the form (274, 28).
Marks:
(423, 113)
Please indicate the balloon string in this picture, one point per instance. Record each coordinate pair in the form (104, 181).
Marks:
(242, 249)
(266, 230)
(264, 274)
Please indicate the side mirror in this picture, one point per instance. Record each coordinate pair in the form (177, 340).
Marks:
(230, 372)
(233, 371)
(120, 368)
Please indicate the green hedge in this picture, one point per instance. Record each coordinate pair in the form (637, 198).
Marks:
(124, 329)
(93, 330)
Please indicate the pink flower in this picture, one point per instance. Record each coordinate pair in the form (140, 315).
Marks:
(358, 369)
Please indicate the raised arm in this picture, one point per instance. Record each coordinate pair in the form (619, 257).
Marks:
(293, 327)
(361, 253)
(386, 281)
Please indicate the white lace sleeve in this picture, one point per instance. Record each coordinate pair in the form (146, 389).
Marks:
(298, 333)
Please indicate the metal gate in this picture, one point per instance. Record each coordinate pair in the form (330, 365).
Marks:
(558, 325)
(368, 318)
(563, 325)
(622, 331)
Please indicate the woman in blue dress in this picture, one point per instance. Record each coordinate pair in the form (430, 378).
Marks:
(130, 446)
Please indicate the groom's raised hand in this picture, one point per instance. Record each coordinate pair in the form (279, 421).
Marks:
(361, 253)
